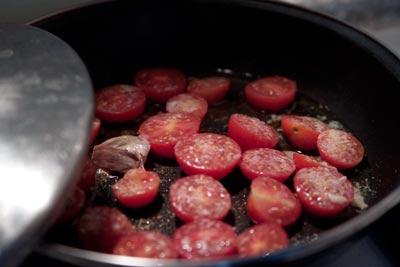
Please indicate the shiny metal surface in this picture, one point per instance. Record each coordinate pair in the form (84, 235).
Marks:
(45, 115)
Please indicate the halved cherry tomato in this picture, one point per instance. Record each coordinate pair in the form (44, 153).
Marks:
(302, 131)
(262, 239)
(88, 175)
(266, 162)
(322, 191)
(137, 188)
(119, 103)
(187, 103)
(303, 161)
(164, 130)
(74, 205)
(205, 238)
(101, 227)
(160, 84)
(147, 244)
(271, 93)
(251, 132)
(213, 89)
(199, 196)
(272, 202)
(207, 153)
(340, 148)
(95, 129)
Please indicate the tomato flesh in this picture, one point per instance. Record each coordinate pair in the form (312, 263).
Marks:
(266, 162)
(187, 103)
(262, 239)
(271, 93)
(164, 130)
(88, 175)
(74, 206)
(95, 129)
(272, 202)
(207, 153)
(137, 188)
(160, 84)
(199, 196)
(120, 103)
(205, 238)
(251, 132)
(147, 244)
(340, 149)
(323, 192)
(213, 89)
(303, 161)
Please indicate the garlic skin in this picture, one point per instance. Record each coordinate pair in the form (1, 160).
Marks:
(121, 153)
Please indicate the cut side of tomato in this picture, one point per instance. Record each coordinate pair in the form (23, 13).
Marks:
(205, 238)
(266, 162)
(272, 202)
(207, 153)
(137, 188)
(74, 206)
(146, 244)
(164, 130)
(303, 161)
(271, 93)
(95, 129)
(340, 149)
(187, 103)
(199, 196)
(323, 192)
(262, 239)
(213, 89)
(302, 131)
(251, 132)
(160, 84)
(88, 175)
(120, 103)
(101, 227)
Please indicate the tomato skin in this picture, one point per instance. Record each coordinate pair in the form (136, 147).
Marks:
(100, 228)
(340, 149)
(213, 89)
(303, 161)
(199, 196)
(187, 103)
(207, 153)
(266, 162)
(74, 205)
(88, 175)
(205, 238)
(262, 239)
(137, 188)
(164, 130)
(147, 244)
(95, 129)
(322, 191)
(120, 103)
(160, 84)
(272, 202)
(271, 93)
(251, 132)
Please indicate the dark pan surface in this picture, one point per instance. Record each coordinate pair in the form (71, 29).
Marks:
(334, 66)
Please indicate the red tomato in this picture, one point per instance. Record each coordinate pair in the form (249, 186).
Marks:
(207, 153)
(303, 161)
(95, 129)
(340, 148)
(199, 196)
(160, 84)
(119, 103)
(137, 188)
(101, 227)
(271, 93)
(266, 162)
(322, 191)
(213, 89)
(146, 244)
(262, 239)
(88, 175)
(164, 130)
(205, 238)
(272, 202)
(187, 103)
(251, 132)
(74, 205)
(302, 131)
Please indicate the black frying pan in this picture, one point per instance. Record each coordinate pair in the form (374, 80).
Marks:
(341, 73)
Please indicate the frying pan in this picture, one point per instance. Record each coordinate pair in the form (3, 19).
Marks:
(342, 74)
